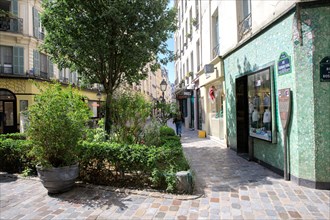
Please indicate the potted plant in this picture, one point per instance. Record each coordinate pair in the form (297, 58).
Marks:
(57, 121)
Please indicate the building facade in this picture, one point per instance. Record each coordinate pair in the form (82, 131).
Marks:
(274, 56)
(200, 91)
(21, 33)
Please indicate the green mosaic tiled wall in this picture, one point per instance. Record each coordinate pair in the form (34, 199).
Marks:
(308, 137)
(314, 136)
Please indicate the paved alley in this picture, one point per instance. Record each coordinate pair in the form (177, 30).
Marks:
(227, 187)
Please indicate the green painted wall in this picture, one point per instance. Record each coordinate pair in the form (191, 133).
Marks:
(257, 54)
(308, 133)
(315, 29)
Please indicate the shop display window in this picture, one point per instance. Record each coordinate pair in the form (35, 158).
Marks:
(260, 105)
(215, 94)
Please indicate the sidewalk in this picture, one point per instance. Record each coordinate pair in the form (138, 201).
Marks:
(227, 187)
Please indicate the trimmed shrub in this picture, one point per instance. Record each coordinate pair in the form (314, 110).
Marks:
(134, 165)
(14, 154)
(166, 131)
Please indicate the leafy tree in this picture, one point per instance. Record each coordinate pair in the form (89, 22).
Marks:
(165, 111)
(132, 111)
(108, 41)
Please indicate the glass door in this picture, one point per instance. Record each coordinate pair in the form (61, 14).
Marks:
(8, 112)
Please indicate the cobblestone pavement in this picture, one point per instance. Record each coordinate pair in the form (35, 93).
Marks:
(227, 187)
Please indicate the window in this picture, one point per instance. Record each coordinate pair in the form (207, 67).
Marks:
(192, 62)
(38, 29)
(198, 56)
(42, 65)
(6, 60)
(11, 60)
(260, 105)
(245, 20)
(215, 35)
(5, 6)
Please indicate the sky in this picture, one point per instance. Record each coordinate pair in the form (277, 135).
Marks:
(170, 65)
(170, 44)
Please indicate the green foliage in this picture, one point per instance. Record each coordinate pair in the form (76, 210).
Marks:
(132, 111)
(133, 165)
(166, 111)
(108, 42)
(14, 154)
(96, 134)
(166, 131)
(14, 136)
(151, 133)
(57, 122)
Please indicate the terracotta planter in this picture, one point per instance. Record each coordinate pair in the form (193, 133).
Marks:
(59, 179)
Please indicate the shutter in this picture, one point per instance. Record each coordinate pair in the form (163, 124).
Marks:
(18, 60)
(14, 8)
(35, 22)
(14, 22)
(50, 68)
(36, 63)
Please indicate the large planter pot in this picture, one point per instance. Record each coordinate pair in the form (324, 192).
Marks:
(59, 179)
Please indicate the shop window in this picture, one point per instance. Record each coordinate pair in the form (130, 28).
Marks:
(260, 105)
(216, 99)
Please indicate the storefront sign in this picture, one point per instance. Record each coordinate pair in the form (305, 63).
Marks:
(208, 69)
(284, 104)
(284, 64)
(325, 69)
(188, 93)
(181, 97)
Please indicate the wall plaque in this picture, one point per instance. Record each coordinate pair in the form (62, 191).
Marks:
(325, 69)
(284, 64)
(284, 104)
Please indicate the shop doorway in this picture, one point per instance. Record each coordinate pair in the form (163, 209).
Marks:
(8, 112)
(242, 116)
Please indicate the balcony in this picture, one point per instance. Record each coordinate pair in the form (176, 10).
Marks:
(244, 26)
(216, 51)
(6, 69)
(8, 24)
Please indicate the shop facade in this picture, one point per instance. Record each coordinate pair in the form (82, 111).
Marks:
(211, 100)
(17, 94)
(291, 53)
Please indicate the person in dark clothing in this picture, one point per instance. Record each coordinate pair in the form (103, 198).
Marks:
(178, 123)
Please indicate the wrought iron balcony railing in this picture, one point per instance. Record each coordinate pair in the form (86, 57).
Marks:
(244, 26)
(6, 69)
(216, 51)
(9, 24)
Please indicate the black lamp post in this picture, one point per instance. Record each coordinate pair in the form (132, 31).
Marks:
(163, 86)
(99, 96)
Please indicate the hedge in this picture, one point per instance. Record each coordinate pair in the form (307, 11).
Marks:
(108, 163)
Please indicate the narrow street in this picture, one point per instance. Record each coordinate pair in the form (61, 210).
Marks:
(227, 187)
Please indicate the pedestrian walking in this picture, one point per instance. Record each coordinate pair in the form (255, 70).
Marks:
(178, 123)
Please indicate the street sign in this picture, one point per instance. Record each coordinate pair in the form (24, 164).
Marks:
(325, 69)
(284, 64)
(284, 103)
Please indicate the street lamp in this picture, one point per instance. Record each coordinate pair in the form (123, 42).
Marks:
(163, 86)
(99, 96)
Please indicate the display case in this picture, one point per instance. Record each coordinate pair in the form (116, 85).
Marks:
(260, 104)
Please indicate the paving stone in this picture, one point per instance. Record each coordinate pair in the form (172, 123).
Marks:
(294, 214)
(229, 188)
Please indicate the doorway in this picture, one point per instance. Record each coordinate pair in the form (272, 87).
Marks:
(242, 117)
(8, 112)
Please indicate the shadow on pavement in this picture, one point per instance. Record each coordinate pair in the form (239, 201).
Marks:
(219, 169)
(6, 178)
(94, 198)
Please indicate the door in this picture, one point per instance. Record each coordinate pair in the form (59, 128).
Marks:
(8, 112)
(242, 116)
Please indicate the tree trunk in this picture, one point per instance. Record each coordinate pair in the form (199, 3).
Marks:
(107, 122)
